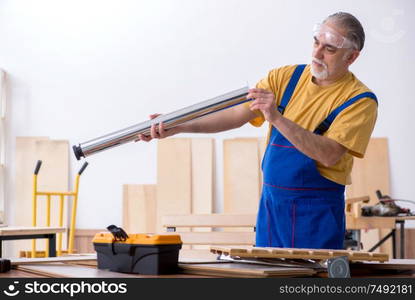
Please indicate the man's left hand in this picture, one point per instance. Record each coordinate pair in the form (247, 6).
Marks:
(265, 102)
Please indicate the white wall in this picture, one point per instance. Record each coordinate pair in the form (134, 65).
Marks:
(81, 69)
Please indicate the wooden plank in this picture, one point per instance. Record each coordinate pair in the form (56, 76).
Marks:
(241, 175)
(54, 173)
(244, 270)
(372, 172)
(393, 264)
(74, 258)
(368, 175)
(139, 208)
(83, 240)
(66, 270)
(202, 175)
(202, 179)
(217, 238)
(174, 171)
(210, 220)
(186, 254)
(368, 223)
(293, 253)
(364, 199)
(21, 230)
(60, 270)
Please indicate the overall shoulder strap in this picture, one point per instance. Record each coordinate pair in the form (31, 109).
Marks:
(289, 90)
(325, 125)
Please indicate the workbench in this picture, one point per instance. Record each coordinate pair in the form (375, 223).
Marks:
(392, 234)
(26, 233)
(25, 274)
(390, 223)
(86, 268)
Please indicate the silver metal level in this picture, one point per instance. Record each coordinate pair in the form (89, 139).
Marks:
(169, 120)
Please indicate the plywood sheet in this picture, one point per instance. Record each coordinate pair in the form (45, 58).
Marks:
(139, 208)
(53, 176)
(244, 270)
(174, 172)
(60, 270)
(202, 178)
(68, 270)
(368, 175)
(241, 175)
(202, 175)
(83, 239)
(26, 159)
(372, 172)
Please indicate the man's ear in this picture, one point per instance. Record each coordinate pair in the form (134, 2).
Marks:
(352, 56)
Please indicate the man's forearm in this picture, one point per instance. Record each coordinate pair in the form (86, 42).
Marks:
(317, 147)
(220, 121)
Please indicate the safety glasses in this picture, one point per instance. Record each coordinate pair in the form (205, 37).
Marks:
(324, 34)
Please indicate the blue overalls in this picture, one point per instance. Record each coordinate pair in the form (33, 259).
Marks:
(299, 208)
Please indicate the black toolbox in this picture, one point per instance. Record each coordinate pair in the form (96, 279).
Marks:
(139, 253)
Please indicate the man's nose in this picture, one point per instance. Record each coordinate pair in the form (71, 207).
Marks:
(318, 52)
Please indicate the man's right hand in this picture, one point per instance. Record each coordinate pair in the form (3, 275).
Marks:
(157, 131)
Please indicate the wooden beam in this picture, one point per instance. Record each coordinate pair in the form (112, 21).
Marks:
(217, 238)
(210, 220)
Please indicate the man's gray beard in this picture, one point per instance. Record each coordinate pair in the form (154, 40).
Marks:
(319, 75)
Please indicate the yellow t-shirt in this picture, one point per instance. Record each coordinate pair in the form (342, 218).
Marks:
(310, 104)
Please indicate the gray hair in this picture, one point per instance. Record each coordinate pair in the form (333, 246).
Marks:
(355, 32)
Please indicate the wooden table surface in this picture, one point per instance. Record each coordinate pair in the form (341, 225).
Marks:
(87, 269)
(25, 274)
(20, 230)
